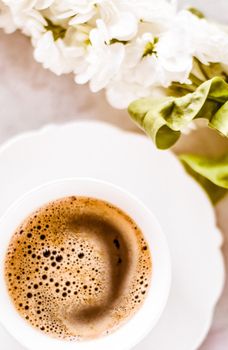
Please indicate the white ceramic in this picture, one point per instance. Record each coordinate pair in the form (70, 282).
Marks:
(133, 331)
(157, 178)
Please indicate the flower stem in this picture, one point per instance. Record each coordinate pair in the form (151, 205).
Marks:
(202, 70)
(196, 81)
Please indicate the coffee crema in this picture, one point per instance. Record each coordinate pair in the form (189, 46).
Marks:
(78, 268)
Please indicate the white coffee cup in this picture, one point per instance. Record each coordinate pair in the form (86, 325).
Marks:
(134, 330)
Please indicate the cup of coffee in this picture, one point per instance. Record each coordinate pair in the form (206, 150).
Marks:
(84, 266)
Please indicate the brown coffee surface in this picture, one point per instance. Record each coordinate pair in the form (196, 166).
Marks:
(78, 268)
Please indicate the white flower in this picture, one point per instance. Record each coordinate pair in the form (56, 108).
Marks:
(150, 62)
(43, 4)
(6, 19)
(102, 61)
(77, 11)
(208, 41)
(121, 23)
(212, 46)
(26, 17)
(123, 17)
(153, 11)
(132, 48)
(140, 58)
(121, 93)
(26, 5)
(174, 54)
(57, 55)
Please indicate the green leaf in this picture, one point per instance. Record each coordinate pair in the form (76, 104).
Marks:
(212, 174)
(164, 118)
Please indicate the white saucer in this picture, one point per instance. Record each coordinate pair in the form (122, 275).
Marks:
(156, 177)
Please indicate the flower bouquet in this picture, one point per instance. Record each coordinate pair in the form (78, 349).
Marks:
(169, 67)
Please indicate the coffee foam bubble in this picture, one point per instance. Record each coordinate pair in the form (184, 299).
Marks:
(78, 268)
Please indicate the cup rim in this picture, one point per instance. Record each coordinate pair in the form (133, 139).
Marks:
(139, 325)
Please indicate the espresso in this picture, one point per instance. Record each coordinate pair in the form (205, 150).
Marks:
(78, 268)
